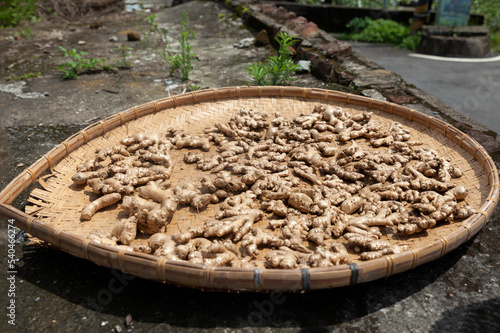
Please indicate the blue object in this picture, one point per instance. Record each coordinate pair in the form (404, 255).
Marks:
(453, 13)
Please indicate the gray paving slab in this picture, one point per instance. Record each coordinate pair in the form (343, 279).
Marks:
(472, 88)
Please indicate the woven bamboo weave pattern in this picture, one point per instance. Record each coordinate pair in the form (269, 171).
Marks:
(58, 205)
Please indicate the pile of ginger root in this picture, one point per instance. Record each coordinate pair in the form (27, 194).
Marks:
(309, 191)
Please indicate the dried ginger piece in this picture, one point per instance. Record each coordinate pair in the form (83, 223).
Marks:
(98, 204)
(125, 230)
(326, 257)
(258, 237)
(151, 215)
(283, 258)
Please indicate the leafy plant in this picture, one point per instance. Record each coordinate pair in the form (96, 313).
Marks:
(194, 87)
(357, 24)
(12, 12)
(78, 64)
(311, 2)
(124, 54)
(411, 42)
(277, 70)
(495, 41)
(259, 73)
(23, 33)
(25, 76)
(152, 33)
(381, 31)
(154, 37)
(184, 60)
(157, 39)
(152, 28)
(491, 11)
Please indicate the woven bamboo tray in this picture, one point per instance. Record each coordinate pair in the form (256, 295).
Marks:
(55, 214)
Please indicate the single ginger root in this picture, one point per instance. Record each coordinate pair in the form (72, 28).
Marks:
(98, 204)
(324, 257)
(151, 215)
(283, 258)
(374, 248)
(125, 230)
(163, 245)
(258, 237)
(186, 140)
(189, 194)
(237, 225)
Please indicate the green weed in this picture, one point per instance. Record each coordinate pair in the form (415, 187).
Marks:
(277, 70)
(25, 76)
(152, 36)
(157, 39)
(184, 60)
(23, 33)
(124, 52)
(78, 65)
(194, 87)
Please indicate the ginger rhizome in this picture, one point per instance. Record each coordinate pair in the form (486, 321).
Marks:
(316, 190)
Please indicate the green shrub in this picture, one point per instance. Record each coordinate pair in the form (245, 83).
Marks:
(311, 2)
(12, 12)
(381, 31)
(410, 42)
(357, 24)
(495, 41)
(491, 11)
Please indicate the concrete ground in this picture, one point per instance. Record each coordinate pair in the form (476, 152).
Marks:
(472, 88)
(56, 292)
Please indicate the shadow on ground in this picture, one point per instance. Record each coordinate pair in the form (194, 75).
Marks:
(107, 291)
(477, 317)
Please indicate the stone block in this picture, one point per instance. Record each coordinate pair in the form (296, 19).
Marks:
(262, 38)
(308, 30)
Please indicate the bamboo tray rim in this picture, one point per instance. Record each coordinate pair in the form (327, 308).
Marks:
(247, 279)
